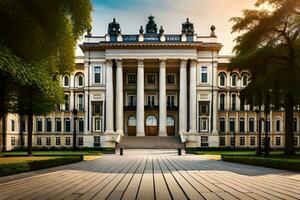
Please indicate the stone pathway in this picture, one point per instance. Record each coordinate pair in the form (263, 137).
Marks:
(154, 174)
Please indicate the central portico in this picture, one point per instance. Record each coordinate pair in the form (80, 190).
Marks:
(154, 84)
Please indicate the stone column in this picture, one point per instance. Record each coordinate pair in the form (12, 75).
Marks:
(162, 98)
(215, 99)
(183, 98)
(119, 97)
(193, 96)
(109, 98)
(140, 125)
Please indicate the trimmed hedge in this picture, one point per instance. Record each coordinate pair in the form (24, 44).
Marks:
(15, 168)
(278, 163)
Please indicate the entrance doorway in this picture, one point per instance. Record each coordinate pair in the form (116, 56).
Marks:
(151, 128)
(132, 126)
(170, 126)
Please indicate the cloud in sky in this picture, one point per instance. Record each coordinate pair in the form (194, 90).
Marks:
(131, 14)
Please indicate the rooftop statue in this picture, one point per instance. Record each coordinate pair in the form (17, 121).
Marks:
(187, 27)
(114, 28)
(151, 26)
(141, 30)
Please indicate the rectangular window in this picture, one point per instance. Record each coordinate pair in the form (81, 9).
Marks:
(96, 141)
(242, 126)
(222, 141)
(231, 125)
(68, 140)
(222, 125)
(203, 107)
(80, 125)
(97, 74)
(48, 125)
(203, 124)
(242, 141)
(80, 141)
(131, 100)
(12, 141)
(251, 125)
(277, 141)
(58, 124)
(296, 141)
(39, 141)
(39, 125)
(67, 125)
(171, 79)
(151, 79)
(151, 100)
(232, 141)
(204, 74)
(131, 79)
(204, 141)
(170, 101)
(252, 141)
(48, 141)
(23, 125)
(98, 124)
(57, 141)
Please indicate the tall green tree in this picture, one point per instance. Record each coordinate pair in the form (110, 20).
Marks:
(37, 43)
(268, 46)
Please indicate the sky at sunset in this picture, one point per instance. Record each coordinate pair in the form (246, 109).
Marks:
(131, 14)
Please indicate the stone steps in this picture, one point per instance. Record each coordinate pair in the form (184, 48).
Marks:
(150, 142)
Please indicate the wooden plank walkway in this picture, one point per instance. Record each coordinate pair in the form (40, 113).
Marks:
(153, 174)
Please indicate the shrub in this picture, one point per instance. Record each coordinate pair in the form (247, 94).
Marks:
(14, 168)
(279, 163)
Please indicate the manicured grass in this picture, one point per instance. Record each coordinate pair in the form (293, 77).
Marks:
(238, 153)
(14, 165)
(274, 161)
(53, 153)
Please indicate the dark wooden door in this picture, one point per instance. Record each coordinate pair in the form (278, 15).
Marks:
(151, 128)
(170, 130)
(131, 130)
(170, 126)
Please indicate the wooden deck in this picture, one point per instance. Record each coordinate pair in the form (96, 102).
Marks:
(154, 175)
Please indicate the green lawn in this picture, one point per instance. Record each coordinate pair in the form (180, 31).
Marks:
(6, 160)
(53, 153)
(239, 153)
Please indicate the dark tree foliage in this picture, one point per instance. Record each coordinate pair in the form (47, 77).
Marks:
(269, 47)
(37, 43)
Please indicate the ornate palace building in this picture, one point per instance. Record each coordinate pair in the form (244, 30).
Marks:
(152, 84)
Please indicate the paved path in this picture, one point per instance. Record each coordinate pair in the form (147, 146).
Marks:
(154, 175)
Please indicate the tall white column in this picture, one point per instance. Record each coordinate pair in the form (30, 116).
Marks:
(119, 97)
(183, 98)
(215, 99)
(193, 96)
(162, 99)
(109, 100)
(140, 124)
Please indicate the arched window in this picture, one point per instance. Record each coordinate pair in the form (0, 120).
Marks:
(233, 102)
(251, 125)
(79, 80)
(12, 123)
(66, 81)
(295, 125)
(231, 125)
(80, 102)
(67, 102)
(132, 121)
(222, 102)
(242, 125)
(151, 121)
(170, 121)
(222, 125)
(222, 79)
(245, 80)
(261, 124)
(233, 80)
(278, 125)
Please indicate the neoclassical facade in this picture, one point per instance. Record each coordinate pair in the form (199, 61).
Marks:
(152, 84)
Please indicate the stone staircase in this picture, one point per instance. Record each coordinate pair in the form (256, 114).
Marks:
(150, 142)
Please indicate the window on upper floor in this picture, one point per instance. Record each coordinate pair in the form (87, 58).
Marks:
(222, 102)
(233, 80)
(245, 80)
(79, 80)
(131, 78)
(131, 100)
(97, 108)
(222, 125)
(80, 102)
(170, 101)
(12, 124)
(233, 102)
(67, 125)
(151, 79)
(231, 125)
(39, 125)
(151, 100)
(97, 74)
(295, 125)
(242, 125)
(66, 82)
(251, 125)
(222, 78)
(80, 124)
(67, 102)
(58, 124)
(171, 79)
(204, 75)
(48, 125)
(277, 125)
